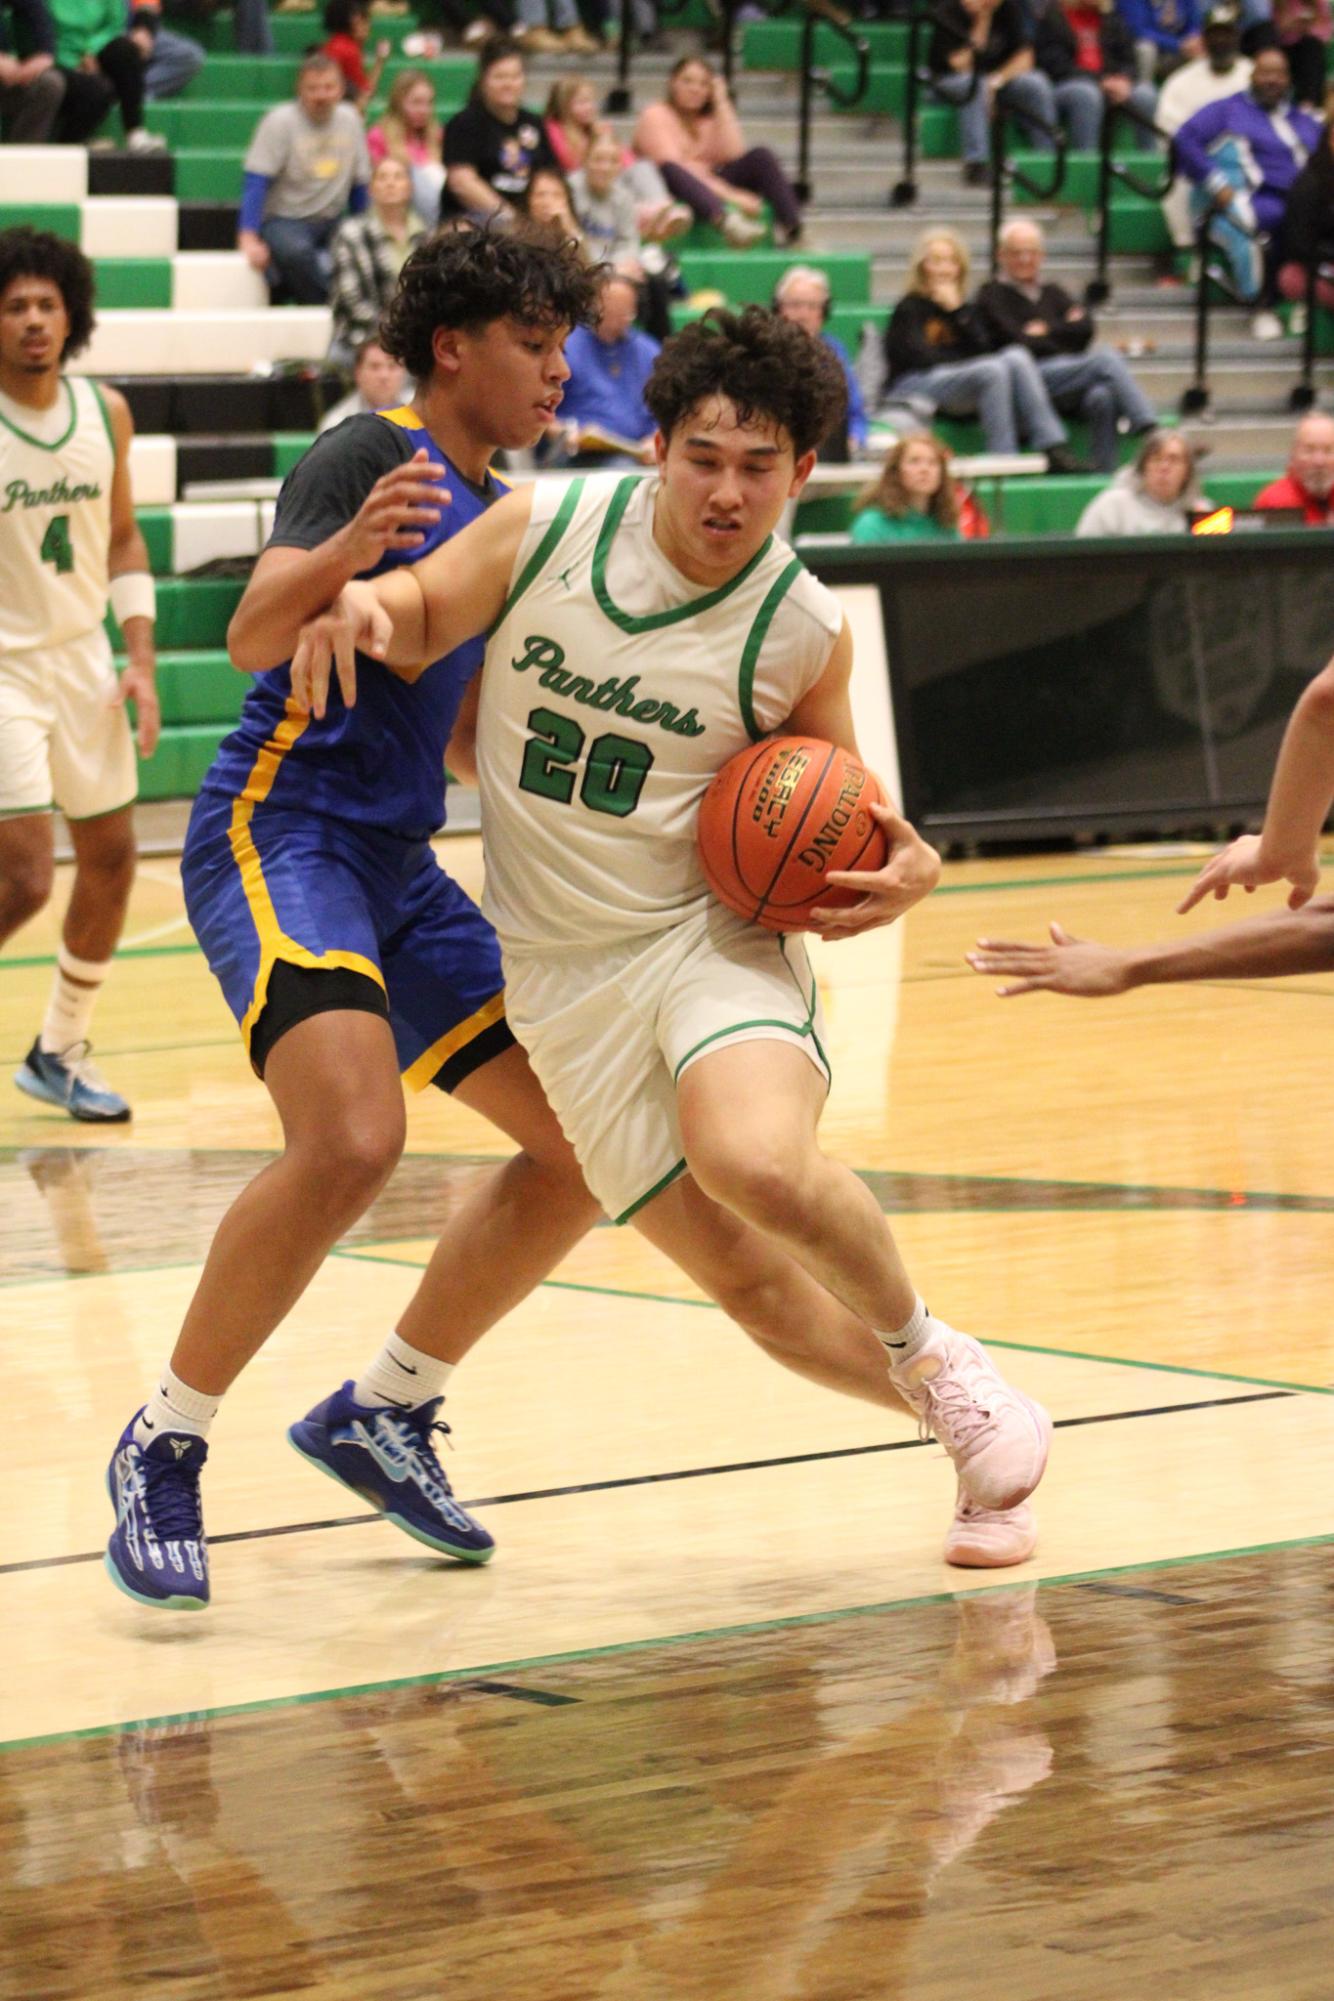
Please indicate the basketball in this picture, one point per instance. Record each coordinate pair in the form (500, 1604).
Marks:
(776, 820)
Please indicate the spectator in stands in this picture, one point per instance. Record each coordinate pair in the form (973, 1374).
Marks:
(987, 44)
(369, 251)
(939, 353)
(572, 124)
(1222, 71)
(306, 168)
(1309, 481)
(1157, 495)
(1303, 29)
(608, 218)
(802, 295)
(557, 31)
(1166, 33)
(32, 89)
(547, 203)
(1242, 155)
(609, 363)
(494, 143)
(914, 499)
(1308, 232)
(1085, 52)
(252, 28)
(170, 60)
(102, 66)
(694, 138)
(410, 131)
(347, 23)
(1083, 378)
(378, 384)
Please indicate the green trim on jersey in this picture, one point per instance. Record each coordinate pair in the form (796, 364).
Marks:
(653, 621)
(739, 1028)
(65, 436)
(811, 1000)
(672, 1174)
(559, 523)
(755, 639)
(96, 388)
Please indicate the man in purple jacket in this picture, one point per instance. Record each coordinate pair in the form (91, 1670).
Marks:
(1242, 155)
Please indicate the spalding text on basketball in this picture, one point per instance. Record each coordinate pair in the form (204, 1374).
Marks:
(817, 851)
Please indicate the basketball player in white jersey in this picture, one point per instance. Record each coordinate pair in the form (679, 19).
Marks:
(643, 632)
(69, 542)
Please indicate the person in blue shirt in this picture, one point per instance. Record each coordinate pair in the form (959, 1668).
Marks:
(1166, 33)
(802, 296)
(610, 362)
(306, 168)
(346, 953)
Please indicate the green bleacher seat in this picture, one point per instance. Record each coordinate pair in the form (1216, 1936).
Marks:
(206, 175)
(1079, 184)
(62, 219)
(752, 275)
(178, 765)
(133, 281)
(201, 687)
(777, 44)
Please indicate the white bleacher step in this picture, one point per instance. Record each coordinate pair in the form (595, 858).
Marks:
(167, 341)
(43, 173)
(216, 280)
(153, 470)
(130, 226)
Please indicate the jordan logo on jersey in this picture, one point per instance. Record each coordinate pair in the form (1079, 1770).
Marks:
(613, 696)
(19, 494)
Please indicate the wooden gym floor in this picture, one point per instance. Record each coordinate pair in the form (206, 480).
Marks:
(717, 1722)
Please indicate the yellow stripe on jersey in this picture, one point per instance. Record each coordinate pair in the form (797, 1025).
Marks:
(431, 1060)
(274, 944)
(403, 416)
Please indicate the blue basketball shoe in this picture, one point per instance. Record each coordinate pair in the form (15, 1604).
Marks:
(157, 1553)
(67, 1078)
(386, 1456)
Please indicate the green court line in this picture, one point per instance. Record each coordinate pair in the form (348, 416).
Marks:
(749, 1628)
(129, 952)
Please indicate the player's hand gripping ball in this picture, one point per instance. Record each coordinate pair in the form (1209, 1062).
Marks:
(776, 820)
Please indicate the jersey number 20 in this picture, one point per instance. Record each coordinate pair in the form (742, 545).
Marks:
(613, 777)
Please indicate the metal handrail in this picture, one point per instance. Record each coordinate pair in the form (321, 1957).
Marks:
(1004, 172)
(618, 98)
(1196, 398)
(1302, 394)
(1098, 291)
(904, 191)
(813, 79)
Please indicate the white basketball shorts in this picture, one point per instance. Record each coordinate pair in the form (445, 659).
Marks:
(62, 743)
(610, 1029)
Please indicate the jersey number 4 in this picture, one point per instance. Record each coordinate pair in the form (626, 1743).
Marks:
(613, 777)
(56, 546)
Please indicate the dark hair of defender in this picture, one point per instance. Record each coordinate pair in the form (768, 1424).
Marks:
(770, 369)
(467, 278)
(36, 253)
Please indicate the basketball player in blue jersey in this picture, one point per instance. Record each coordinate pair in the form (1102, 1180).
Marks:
(346, 953)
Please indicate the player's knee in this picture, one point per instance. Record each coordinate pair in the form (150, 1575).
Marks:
(750, 1178)
(113, 861)
(357, 1154)
(25, 887)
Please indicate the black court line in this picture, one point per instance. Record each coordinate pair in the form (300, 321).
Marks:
(1137, 1591)
(663, 1479)
(544, 1697)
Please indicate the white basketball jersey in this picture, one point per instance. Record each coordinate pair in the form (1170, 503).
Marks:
(55, 518)
(614, 690)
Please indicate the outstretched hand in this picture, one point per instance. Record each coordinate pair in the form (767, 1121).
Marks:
(1067, 966)
(912, 872)
(1241, 866)
(329, 644)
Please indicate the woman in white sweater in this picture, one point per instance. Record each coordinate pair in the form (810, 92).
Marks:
(1155, 496)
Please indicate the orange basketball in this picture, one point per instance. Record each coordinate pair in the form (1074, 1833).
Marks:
(778, 818)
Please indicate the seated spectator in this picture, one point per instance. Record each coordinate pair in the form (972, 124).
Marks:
(1084, 50)
(378, 384)
(1166, 33)
(608, 220)
(494, 143)
(410, 131)
(547, 203)
(1303, 29)
(101, 66)
(252, 28)
(170, 60)
(1308, 232)
(694, 138)
(1222, 71)
(987, 44)
(571, 126)
(306, 168)
(347, 23)
(32, 89)
(369, 251)
(802, 296)
(553, 27)
(1309, 481)
(1083, 378)
(914, 499)
(1157, 495)
(1242, 156)
(603, 407)
(939, 353)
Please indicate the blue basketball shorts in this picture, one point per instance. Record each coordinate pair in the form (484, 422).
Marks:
(269, 888)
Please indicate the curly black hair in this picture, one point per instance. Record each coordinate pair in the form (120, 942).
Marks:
(36, 253)
(769, 368)
(468, 277)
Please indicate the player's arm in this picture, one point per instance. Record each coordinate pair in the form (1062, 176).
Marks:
(913, 868)
(1261, 948)
(1299, 801)
(461, 750)
(414, 615)
(133, 597)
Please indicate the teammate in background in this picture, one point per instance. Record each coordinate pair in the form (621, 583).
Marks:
(69, 542)
(1298, 939)
(642, 632)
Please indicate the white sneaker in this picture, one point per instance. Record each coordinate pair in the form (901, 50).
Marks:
(1266, 326)
(739, 230)
(141, 140)
(997, 1438)
(989, 1538)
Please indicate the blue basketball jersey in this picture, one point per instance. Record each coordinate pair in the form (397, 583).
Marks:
(380, 763)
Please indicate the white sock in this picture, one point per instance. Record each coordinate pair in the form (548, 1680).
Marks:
(74, 991)
(401, 1376)
(174, 1406)
(904, 1342)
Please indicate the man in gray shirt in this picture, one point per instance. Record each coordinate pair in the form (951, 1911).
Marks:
(307, 167)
